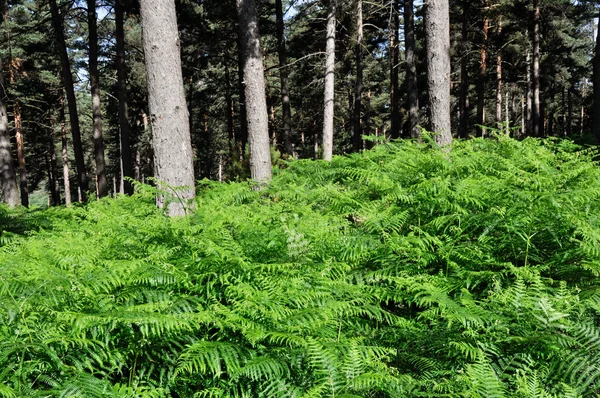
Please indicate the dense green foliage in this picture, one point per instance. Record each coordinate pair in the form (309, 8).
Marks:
(406, 271)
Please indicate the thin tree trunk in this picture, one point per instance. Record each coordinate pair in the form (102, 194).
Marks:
(102, 183)
(328, 112)
(358, 88)
(23, 184)
(535, 70)
(168, 112)
(8, 177)
(482, 72)
(242, 139)
(394, 64)
(124, 136)
(254, 89)
(499, 79)
(437, 30)
(569, 112)
(596, 83)
(52, 167)
(72, 104)
(283, 76)
(529, 96)
(463, 130)
(65, 154)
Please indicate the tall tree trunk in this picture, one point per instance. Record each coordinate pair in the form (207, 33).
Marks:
(283, 76)
(535, 72)
(569, 112)
(67, 78)
(499, 79)
(8, 177)
(65, 153)
(482, 71)
(254, 88)
(437, 30)
(166, 98)
(463, 129)
(124, 136)
(394, 64)
(596, 83)
(23, 184)
(242, 139)
(529, 96)
(411, 69)
(52, 166)
(102, 190)
(328, 111)
(358, 88)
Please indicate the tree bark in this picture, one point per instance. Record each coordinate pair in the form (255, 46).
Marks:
(254, 89)
(596, 83)
(394, 64)
(67, 78)
(535, 72)
(411, 69)
(482, 72)
(328, 112)
(358, 88)
(102, 183)
(65, 154)
(8, 177)
(171, 139)
(437, 30)
(23, 184)
(570, 112)
(499, 79)
(463, 129)
(124, 136)
(52, 166)
(283, 76)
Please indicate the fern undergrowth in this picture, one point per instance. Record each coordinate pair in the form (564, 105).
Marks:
(404, 271)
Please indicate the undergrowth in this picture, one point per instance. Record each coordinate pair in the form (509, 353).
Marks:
(404, 271)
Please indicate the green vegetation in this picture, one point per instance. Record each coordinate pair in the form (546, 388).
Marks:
(405, 271)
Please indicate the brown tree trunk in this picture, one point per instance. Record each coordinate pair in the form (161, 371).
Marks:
(254, 89)
(569, 112)
(463, 129)
(124, 136)
(8, 177)
(168, 111)
(102, 183)
(65, 153)
(328, 112)
(72, 104)
(482, 72)
(596, 83)
(283, 76)
(23, 184)
(242, 138)
(52, 166)
(437, 30)
(394, 64)
(535, 72)
(358, 88)
(411, 69)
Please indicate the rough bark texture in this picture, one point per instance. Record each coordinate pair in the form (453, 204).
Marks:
(394, 61)
(482, 72)
(171, 139)
(596, 82)
(8, 177)
(535, 72)
(283, 76)
(411, 69)
(124, 136)
(254, 89)
(463, 128)
(499, 79)
(328, 111)
(70, 92)
(101, 182)
(437, 29)
(358, 88)
(23, 184)
(65, 154)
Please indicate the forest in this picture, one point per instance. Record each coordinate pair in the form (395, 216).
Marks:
(299, 198)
